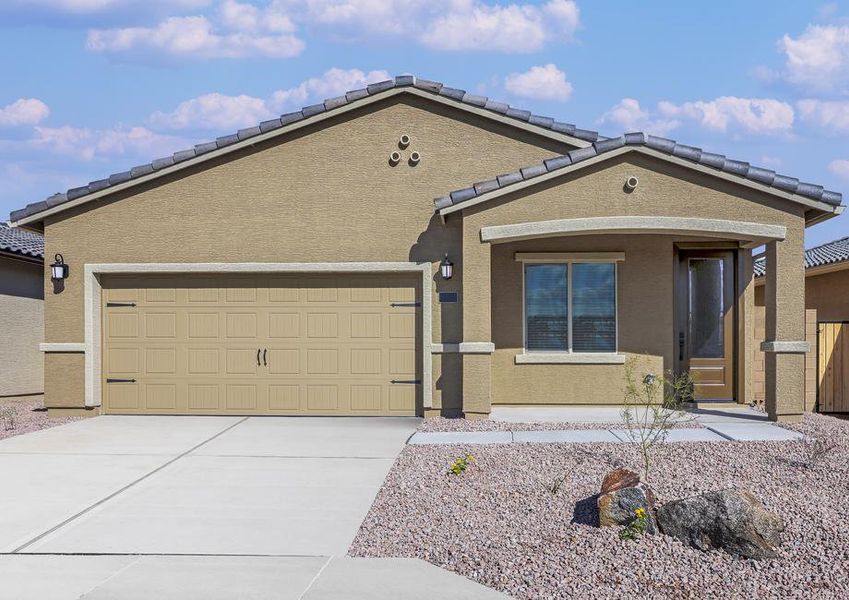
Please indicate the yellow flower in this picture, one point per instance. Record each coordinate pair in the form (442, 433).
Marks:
(640, 512)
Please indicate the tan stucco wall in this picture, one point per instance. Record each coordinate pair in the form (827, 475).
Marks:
(22, 327)
(645, 301)
(828, 294)
(327, 194)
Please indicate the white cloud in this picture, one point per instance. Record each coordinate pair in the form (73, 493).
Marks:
(541, 83)
(214, 111)
(219, 112)
(831, 115)
(751, 115)
(840, 168)
(763, 116)
(333, 82)
(88, 144)
(239, 31)
(25, 111)
(99, 6)
(817, 58)
(628, 115)
(473, 25)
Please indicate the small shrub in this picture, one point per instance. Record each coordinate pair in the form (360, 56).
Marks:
(460, 464)
(9, 417)
(553, 485)
(637, 527)
(651, 408)
(817, 451)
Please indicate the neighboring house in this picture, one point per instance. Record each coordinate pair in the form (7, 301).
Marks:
(294, 267)
(827, 308)
(21, 312)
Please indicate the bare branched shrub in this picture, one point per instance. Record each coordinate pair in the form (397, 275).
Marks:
(8, 416)
(817, 450)
(652, 407)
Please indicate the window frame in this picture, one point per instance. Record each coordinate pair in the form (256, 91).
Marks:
(569, 259)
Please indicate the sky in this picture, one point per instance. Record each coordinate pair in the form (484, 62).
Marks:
(92, 87)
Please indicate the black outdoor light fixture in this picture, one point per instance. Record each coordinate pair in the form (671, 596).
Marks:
(446, 267)
(58, 270)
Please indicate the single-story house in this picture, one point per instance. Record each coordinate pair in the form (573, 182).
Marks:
(827, 315)
(21, 312)
(414, 249)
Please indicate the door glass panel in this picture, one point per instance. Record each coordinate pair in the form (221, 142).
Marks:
(546, 310)
(594, 307)
(706, 307)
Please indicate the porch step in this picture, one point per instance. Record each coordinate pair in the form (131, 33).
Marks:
(708, 404)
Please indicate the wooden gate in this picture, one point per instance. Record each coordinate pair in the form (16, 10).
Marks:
(833, 366)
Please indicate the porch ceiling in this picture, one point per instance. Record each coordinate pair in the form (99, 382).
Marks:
(748, 234)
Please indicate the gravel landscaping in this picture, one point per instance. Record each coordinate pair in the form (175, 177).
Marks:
(498, 524)
(26, 414)
(443, 424)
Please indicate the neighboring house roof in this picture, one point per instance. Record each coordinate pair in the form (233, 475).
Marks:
(21, 242)
(460, 98)
(818, 256)
(690, 154)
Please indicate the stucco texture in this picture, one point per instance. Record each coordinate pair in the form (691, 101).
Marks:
(323, 194)
(22, 324)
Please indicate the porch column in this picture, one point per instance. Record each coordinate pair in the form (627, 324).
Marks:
(476, 347)
(785, 346)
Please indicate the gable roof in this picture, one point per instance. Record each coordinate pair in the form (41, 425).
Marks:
(658, 146)
(830, 253)
(480, 105)
(21, 242)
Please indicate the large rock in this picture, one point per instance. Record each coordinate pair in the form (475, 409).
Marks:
(622, 493)
(731, 519)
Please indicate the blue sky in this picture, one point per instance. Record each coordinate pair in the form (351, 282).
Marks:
(92, 87)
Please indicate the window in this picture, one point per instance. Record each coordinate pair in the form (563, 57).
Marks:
(570, 307)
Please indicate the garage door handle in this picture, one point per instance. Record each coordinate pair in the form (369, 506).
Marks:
(264, 362)
(117, 304)
(111, 380)
(258, 350)
(410, 381)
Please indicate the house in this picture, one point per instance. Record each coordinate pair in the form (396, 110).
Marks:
(296, 267)
(827, 312)
(21, 312)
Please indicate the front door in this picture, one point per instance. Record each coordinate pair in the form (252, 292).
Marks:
(706, 322)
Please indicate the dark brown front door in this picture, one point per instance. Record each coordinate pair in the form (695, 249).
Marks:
(706, 322)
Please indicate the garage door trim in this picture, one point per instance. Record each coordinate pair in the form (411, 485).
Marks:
(93, 291)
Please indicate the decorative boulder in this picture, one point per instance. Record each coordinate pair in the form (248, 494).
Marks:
(731, 519)
(622, 493)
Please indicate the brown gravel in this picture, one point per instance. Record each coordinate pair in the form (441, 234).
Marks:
(443, 424)
(497, 524)
(28, 414)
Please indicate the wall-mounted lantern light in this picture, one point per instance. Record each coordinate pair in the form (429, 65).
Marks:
(59, 270)
(446, 267)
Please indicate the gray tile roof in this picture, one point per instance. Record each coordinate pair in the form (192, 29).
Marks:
(670, 147)
(825, 254)
(433, 87)
(21, 241)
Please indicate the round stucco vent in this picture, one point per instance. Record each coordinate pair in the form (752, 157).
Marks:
(394, 158)
(404, 141)
(631, 183)
(415, 157)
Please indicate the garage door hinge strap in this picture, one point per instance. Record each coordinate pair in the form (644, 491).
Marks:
(397, 304)
(110, 380)
(410, 381)
(116, 304)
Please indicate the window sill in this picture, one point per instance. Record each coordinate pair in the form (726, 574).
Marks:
(566, 358)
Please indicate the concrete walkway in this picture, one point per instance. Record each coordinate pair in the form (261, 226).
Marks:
(719, 425)
(202, 507)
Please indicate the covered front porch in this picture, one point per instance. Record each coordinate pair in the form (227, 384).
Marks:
(565, 303)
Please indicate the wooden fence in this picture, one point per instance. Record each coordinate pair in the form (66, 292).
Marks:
(833, 366)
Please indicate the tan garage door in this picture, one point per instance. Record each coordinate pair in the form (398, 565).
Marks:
(270, 345)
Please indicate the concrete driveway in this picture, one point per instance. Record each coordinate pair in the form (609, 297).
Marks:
(185, 507)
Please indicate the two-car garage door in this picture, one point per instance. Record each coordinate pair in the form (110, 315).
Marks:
(261, 344)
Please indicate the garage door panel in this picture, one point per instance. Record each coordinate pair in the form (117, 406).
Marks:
(328, 345)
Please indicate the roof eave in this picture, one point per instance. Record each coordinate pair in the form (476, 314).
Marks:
(37, 218)
(824, 209)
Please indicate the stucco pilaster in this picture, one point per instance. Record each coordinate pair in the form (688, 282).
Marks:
(784, 299)
(477, 320)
